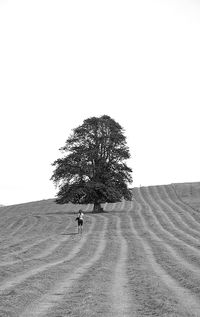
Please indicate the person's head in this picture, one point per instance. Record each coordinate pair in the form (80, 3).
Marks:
(80, 211)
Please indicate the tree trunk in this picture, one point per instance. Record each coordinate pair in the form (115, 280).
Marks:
(97, 207)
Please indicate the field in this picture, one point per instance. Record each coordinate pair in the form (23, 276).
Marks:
(137, 258)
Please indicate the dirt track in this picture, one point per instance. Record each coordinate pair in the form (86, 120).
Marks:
(139, 258)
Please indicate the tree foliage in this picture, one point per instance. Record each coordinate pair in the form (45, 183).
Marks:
(93, 168)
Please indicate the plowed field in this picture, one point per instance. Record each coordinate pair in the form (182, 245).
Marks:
(137, 258)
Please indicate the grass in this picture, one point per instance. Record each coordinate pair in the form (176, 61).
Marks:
(138, 258)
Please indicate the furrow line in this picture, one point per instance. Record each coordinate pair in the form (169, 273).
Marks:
(167, 223)
(187, 252)
(90, 294)
(162, 229)
(187, 211)
(177, 217)
(19, 278)
(189, 302)
(50, 299)
(121, 300)
(179, 202)
(30, 250)
(186, 276)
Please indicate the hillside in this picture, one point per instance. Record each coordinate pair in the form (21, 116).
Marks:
(189, 193)
(137, 258)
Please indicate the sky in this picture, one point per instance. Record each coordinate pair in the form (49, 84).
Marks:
(64, 61)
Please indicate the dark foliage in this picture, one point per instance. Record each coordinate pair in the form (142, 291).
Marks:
(93, 169)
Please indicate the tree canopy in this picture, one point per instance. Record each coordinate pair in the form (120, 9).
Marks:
(93, 168)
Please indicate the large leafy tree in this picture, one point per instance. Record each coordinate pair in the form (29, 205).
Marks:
(93, 168)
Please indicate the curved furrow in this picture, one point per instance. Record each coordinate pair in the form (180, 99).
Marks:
(172, 213)
(57, 225)
(26, 222)
(180, 270)
(32, 222)
(30, 246)
(37, 282)
(53, 300)
(58, 240)
(30, 268)
(183, 273)
(18, 249)
(60, 223)
(168, 294)
(61, 248)
(189, 213)
(146, 231)
(169, 223)
(29, 223)
(170, 189)
(36, 224)
(53, 243)
(64, 222)
(12, 246)
(176, 214)
(121, 300)
(108, 266)
(18, 225)
(25, 267)
(45, 225)
(172, 200)
(37, 250)
(151, 219)
(151, 296)
(164, 223)
(186, 251)
(9, 226)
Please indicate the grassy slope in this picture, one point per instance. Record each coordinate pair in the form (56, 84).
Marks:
(138, 258)
(189, 193)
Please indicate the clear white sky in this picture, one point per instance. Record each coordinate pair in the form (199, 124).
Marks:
(63, 61)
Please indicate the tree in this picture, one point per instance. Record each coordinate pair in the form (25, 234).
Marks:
(93, 169)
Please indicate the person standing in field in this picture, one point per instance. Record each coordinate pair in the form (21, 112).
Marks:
(80, 221)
